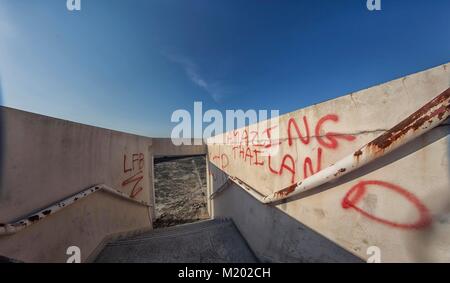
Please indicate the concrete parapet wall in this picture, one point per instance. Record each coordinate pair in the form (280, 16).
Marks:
(400, 203)
(164, 147)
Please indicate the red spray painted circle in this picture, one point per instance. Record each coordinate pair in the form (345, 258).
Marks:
(357, 192)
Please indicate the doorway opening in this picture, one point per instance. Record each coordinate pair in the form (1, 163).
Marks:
(180, 190)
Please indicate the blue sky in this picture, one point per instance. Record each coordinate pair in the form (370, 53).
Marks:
(127, 65)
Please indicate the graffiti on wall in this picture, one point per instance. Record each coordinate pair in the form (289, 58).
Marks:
(133, 168)
(248, 148)
(253, 148)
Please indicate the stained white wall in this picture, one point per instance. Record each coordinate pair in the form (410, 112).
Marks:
(45, 160)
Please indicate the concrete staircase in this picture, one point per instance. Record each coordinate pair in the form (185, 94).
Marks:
(205, 241)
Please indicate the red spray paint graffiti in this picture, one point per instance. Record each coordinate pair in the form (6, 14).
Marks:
(223, 160)
(247, 148)
(330, 136)
(357, 193)
(307, 164)
(136, 166)
(304, 139)
(328, 141)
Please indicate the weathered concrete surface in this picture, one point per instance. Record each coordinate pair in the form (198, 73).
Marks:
(275, 236)
(180, 191)
(164, 147)
(390, 196)
(201, 242)
(47, 159)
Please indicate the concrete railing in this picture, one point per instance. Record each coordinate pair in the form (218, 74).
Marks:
(164, 147)
(420, 122)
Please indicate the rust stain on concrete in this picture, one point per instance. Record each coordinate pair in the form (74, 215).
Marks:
(439, 106)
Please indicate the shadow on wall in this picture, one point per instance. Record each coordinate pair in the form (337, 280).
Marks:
(273, 235)
(440, 228)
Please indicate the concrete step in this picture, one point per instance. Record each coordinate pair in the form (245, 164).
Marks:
(215, 240)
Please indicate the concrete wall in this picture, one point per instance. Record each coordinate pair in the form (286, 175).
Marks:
(46, 160)
(163, 147)
(406, 186)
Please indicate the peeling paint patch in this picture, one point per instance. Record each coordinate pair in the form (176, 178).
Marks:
(285, 192)
(34, 218)
(341, 171)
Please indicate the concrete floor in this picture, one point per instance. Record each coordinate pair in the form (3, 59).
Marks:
(205, 241)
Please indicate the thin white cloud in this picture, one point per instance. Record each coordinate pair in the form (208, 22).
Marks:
(192, 72)
(7, 28)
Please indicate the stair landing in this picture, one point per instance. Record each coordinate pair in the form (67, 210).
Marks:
(207, 241)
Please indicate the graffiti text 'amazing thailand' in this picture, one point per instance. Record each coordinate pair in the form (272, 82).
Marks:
(256, 148)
